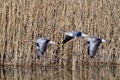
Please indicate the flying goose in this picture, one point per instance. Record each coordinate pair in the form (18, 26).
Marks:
(41, 45)
(73, 34)
(93, 44)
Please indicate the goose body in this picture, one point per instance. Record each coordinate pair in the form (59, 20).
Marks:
(41, 46)
(93, 44)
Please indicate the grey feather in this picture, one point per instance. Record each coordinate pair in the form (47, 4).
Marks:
(41, 46)
(93, 44)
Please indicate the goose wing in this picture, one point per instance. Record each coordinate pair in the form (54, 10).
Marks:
(67, 38)
(92, 48)
(42, 46)
(39, 53)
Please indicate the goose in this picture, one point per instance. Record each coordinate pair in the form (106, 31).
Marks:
(73, 34)
(93, 43)
(41, 45)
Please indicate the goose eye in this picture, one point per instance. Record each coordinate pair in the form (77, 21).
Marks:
(37, 45)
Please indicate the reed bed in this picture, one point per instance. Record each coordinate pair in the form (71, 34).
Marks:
(22, 20)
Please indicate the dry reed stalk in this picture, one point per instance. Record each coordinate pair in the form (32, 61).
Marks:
(74, 59)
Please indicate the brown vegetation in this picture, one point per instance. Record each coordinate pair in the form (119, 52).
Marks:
(22, 20)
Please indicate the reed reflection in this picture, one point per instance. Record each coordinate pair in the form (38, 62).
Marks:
(83, 72)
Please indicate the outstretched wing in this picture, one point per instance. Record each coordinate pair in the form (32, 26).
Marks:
(39, 53)
(92, 48)
(67, 38)
(88, 48)
(41, 47)
(44, 46)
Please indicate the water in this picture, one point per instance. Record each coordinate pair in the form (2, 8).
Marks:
(83, 72)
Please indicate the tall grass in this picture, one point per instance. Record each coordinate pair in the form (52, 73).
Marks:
(22, 20)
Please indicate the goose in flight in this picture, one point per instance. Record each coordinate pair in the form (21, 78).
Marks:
(41, 45)
(72, 34)
(93, 44)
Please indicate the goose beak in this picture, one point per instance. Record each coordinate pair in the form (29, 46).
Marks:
(84, 35)
(52, 42)
(104, 40)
